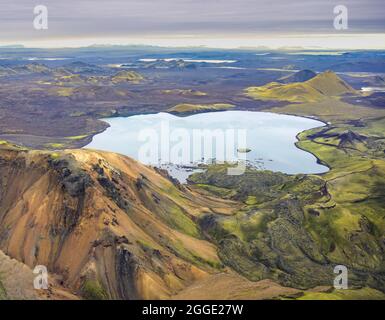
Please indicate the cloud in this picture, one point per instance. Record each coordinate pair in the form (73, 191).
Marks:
(74, 18)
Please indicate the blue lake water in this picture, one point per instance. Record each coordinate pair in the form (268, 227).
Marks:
(179, 144)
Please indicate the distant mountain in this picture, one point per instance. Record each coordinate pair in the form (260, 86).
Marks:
(170, 64)
(82, 67)
(329, 84)
(127, 76)
(6, 71)
(324, 85)
(300, 76)
(360, 66)
(374, 81)
(32, 68)
(185, 92)
(87, 91)
(13, 46)
(377, 80)
(186, 108)
(376, 100)
(62, 72)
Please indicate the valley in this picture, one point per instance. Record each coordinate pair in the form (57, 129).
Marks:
(109, 227)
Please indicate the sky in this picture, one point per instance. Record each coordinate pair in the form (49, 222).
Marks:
(192, 22)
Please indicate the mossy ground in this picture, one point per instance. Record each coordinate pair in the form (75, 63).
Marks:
(296, 228)
(10, 146)
(92, 290)
(359, 294)
(3, 292)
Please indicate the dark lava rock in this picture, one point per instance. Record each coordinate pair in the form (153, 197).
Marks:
(74, 180)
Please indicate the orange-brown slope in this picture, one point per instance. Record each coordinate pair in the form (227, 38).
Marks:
(107, 225)
(17, 283)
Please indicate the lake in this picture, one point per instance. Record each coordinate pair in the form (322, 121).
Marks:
(179, 144)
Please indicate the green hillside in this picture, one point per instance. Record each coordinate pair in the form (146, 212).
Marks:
(317, 89)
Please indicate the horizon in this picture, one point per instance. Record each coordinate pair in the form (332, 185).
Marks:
(284, 42)
(185, 23)
(192, 150)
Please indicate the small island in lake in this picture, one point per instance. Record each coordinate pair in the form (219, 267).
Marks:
(243, 150)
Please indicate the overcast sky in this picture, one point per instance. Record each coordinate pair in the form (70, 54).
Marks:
(159, 18)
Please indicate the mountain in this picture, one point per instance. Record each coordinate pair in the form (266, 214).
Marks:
(329, 84)
(32, 68)
(373, 81)
(324, 85)
(6, 71)
(375, 100)
(186, 108)
(108, 227)
(300, 76)
(378, 81)
(98, 92)
(13, 46)
(170, 64)
(376, 66)
(133, 231)
(126, 76)
(83, 68)
(345, 139)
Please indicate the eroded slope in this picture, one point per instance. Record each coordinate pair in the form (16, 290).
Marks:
(112, 228)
